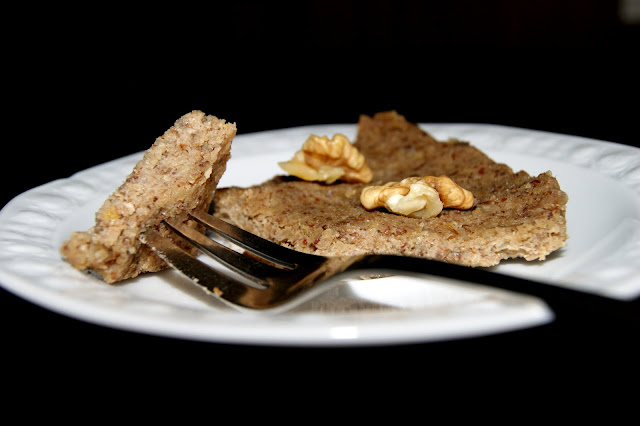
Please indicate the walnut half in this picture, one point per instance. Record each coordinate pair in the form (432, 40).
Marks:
(328, 160)
(417, 197)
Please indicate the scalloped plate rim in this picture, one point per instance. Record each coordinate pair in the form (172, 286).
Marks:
(320, 332)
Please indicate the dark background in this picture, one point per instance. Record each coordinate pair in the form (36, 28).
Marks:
(106, 81)
(102, 81)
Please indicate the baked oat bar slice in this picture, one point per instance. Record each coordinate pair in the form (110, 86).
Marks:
(178, 174)
(515, 214)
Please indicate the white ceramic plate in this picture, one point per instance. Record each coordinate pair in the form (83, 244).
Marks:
(601, 178)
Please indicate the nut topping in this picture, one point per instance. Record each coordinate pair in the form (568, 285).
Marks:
(417, 197)
(325, 160)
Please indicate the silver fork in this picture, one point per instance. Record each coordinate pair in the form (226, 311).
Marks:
(255, 274)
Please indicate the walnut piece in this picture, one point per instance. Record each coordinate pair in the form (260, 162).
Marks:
(452, 195)
(325, 160)
(417, 197)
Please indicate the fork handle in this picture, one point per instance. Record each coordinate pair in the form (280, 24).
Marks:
(564, 301)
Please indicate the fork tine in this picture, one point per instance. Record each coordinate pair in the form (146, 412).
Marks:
(275, 298)
(247, 267)
(265, 249)
(202, 274)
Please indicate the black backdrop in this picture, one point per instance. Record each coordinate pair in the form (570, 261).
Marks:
(107, 82)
